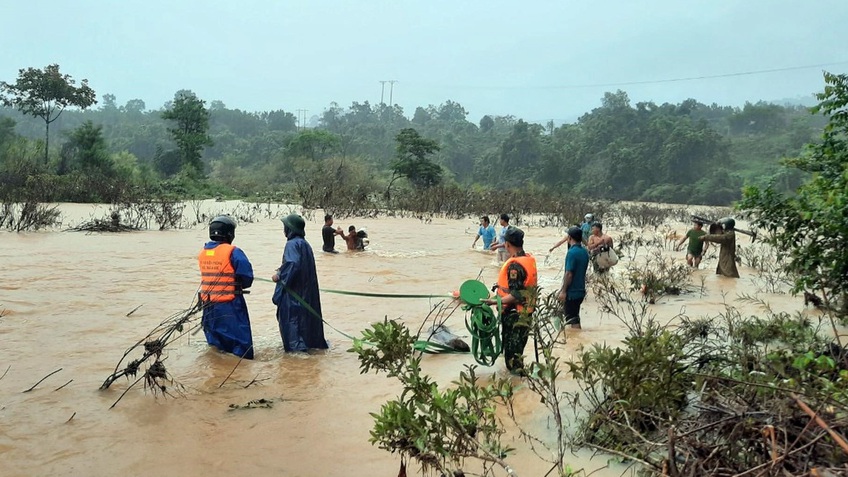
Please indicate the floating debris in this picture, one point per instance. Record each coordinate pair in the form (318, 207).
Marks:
(261, 403)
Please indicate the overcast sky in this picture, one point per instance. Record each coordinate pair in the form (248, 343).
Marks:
(538, 60)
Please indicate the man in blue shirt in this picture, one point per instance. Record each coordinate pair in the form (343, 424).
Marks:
(573, 289)
(500, 245)
(487, 231)
(586, 227)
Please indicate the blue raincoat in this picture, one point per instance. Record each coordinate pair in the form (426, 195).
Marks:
(300, 328)
(227, 324)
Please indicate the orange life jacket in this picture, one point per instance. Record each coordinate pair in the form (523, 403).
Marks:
(217, 276)
(529, 264)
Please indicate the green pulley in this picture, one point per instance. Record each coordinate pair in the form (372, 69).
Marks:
(481, 322)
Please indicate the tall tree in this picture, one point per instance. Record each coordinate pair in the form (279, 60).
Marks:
(135, 106)
(191, 131)
(86, 151)
(45, 94)
(412, 162)
(280, 120)
(520, 153)
(486, 123)
(812, 225)
(314, 144)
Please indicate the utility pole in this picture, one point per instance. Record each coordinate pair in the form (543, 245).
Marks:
(391, 90)
(382, 90)
(301, 113)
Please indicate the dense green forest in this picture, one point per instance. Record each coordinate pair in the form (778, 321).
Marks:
(681, 153)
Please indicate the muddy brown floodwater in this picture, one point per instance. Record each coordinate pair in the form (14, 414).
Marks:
(65, 297)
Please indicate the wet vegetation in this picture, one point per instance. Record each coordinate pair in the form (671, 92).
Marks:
(720, 395)
(438, 428)
(147, 356)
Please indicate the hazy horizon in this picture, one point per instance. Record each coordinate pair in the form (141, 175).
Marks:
(547, 60)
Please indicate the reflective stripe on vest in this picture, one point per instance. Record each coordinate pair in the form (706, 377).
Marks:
(529, 264)
(217, 275)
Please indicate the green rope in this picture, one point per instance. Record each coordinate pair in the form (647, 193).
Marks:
(382, 295)
(484, 327)
(424, 346)
(372, 295)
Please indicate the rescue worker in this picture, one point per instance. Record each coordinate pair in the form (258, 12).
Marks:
(517, 288)
(727, 254)
(296, 295)
(225, 273)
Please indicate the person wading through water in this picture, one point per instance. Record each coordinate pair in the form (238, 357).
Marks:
(487, 231)
(328, 234)
(573, 290)
(696, 248)
(500, 246)
(727, 254)
(225, 273)
(517, 287)
(296, 295)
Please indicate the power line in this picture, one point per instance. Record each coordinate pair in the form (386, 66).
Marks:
(658, 81)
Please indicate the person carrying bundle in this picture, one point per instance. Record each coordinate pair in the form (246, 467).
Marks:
(726, 237)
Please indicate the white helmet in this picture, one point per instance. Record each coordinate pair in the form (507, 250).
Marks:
(589, 217)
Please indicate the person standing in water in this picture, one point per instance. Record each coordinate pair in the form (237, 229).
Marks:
(573, 290)
(487, 231)
(296, 295)
(225, 273)
(328, 234)
(727, 254)
(500, 245)
(586, 226)
(518, 288)
(696, 248)
(355, 240)
(597, 243)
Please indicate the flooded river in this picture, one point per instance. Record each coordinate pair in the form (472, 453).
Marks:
(65, 297)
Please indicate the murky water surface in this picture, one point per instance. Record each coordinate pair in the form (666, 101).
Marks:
(65, 298)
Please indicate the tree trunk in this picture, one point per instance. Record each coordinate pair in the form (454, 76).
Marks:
(388, 193)
(46, 141)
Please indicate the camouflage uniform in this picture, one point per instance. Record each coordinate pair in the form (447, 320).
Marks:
(515, 325)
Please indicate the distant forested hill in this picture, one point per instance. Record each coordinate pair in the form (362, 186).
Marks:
(687, 152)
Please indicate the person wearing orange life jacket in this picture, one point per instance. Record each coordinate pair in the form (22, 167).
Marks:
(225, 273)
(517, 289)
